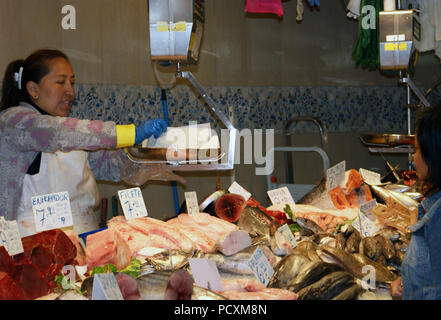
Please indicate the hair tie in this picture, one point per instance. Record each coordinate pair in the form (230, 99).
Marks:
(18, 75)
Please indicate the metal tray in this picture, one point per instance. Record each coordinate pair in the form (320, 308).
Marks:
(389, 140)
(169, 155)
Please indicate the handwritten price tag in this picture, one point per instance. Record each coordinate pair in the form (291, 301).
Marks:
(280, 196)
(370, 177)
(191, 199)
(286, 232)
(335, 175)
(52, 211)
(365, 226)
(367, 207)
(105, 287)
(206, 274)
(237, 189)
(261, 267)
(10, 237)
(132, 203)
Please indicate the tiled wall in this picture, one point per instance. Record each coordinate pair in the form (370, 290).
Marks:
(342, 109)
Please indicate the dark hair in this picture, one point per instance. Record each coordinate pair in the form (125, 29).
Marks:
(428, 130)
(35, 67)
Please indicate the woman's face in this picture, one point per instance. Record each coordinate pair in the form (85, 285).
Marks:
(418, 161)
(55, 92)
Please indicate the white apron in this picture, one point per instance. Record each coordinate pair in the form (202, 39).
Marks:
(59, 172)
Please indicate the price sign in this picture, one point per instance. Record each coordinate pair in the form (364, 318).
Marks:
(132, 203)
(367, 207)
(370, 177)
(365, 226)
(105, 287)
(10, 237)
(280, 196)
(261, 267)
(335, 175)
(52, 211)
(191, 200)
(287, 233)
(237, 189)
(205, 274)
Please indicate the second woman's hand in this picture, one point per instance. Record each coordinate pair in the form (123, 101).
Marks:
(145, 130)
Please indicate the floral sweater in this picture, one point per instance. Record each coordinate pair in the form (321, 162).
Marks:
(24, 132)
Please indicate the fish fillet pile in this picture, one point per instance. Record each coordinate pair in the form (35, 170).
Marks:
(124, 238)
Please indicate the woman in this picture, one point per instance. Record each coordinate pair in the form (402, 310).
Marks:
(421, 267)
(43, 151)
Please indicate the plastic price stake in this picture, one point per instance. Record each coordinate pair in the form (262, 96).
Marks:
(238, 189)
(206, 274)
(52, 211)
(132, 203)
(281, 196)
(10, 237)
(105, 287)
(370, 177)
(191, 200)
(335, 175)
(261, 267)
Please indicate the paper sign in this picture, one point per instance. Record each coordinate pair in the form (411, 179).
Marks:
(205, 274)
(370, 177)
(287, 233)
(52, 211)
(280, 196)
(191, 199)
(132, 203)
(105, 287)
(261, 267)
(335, 175)
(365, 226)
(10, 237)
(367, 207)
(237, 189)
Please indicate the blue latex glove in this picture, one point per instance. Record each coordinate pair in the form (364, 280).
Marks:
(314, 2)
(155, 127)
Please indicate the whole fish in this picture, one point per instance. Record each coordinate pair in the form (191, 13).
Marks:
(353, 242)
(288, 268)
(350, 293)
(397, 187)
(316, 193)
(386, 196)
(308, 249)
(257, 223)
(371, 247)
(170, 259)
(166, 285)
(382, 274)
(313, 273)
(238, 263)
(327, 287)
(343, 258)
(310, 225)
(387, 246)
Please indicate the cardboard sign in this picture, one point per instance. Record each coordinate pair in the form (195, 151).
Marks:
(287, 233)
(52, 211)
(335, 175)
(191, 200)
(370, 177)
(237, 189)
(206, 274)
(105, 287)
(281, 196)
(132, 203)
(10, 237)
(261, 267)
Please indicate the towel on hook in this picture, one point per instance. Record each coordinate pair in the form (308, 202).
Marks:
(265, 6)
